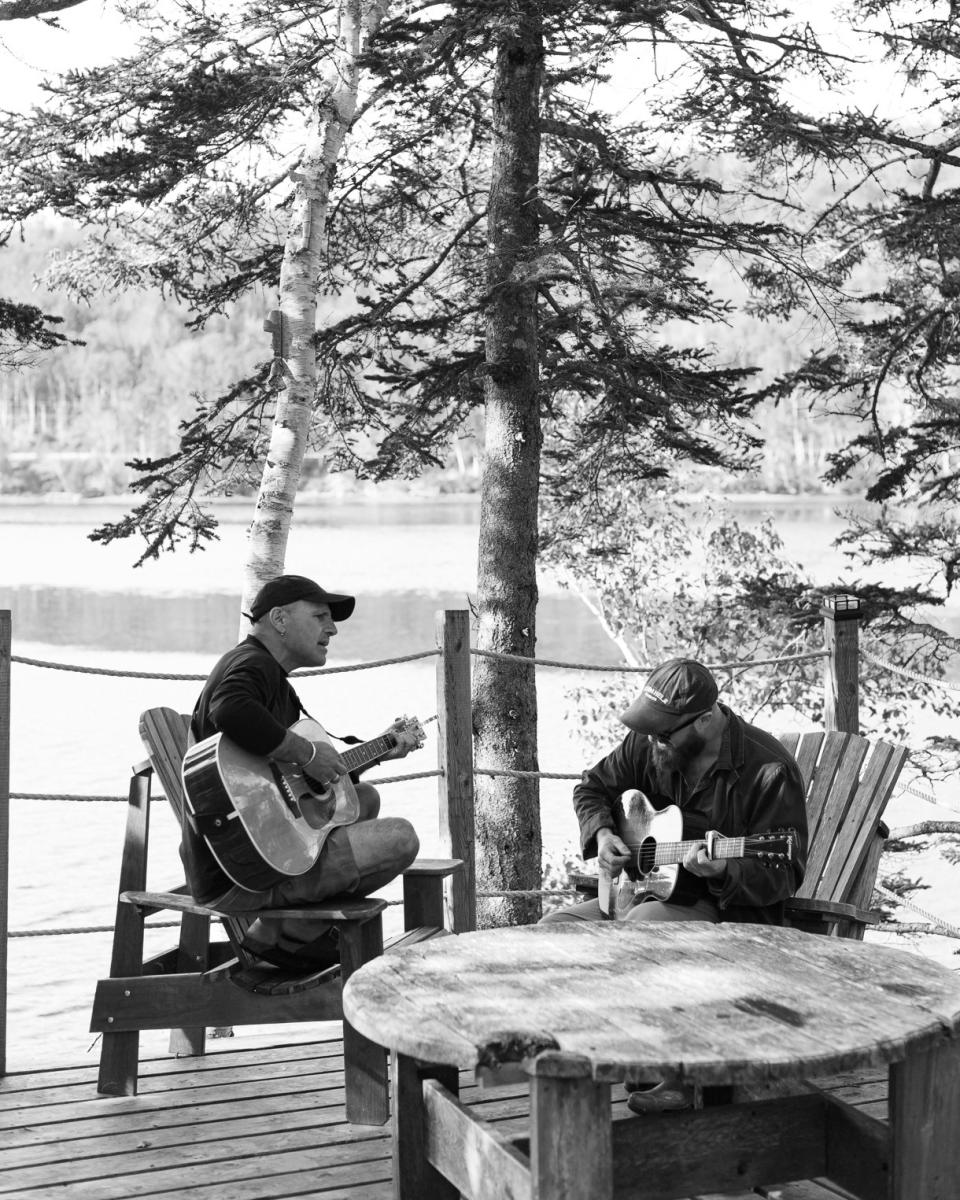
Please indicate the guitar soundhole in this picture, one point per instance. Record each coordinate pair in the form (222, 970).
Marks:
(318, 811)
(647, 856)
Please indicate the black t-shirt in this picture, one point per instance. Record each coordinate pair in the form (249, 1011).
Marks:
(248, 697)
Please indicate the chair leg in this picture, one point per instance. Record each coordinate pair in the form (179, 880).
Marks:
(423, 901)
(364, 1062)
(193, 954)
(119, 1052)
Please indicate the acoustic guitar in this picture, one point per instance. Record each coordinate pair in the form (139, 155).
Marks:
(264, 819)
(657, 849)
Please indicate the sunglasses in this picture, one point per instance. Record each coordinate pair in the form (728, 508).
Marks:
(667, 738)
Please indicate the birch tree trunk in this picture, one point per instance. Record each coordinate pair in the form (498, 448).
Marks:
(505, 699)
(294, 325)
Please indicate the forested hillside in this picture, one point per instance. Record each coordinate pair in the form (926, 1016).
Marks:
(71, 419)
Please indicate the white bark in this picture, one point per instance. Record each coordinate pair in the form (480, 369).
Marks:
(303, 253)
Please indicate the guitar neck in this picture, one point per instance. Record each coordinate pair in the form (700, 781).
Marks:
(358, 757)
(669, 853)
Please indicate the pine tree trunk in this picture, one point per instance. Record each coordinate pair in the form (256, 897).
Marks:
(505, 699)
(306, 243)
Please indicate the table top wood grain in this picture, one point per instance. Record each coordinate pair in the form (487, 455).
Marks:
(710, 1004)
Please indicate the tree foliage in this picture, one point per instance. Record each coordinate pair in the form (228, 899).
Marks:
(26, 331)
(180, 161)
(887, 245)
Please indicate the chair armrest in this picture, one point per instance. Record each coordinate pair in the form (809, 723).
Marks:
(829, 911)
(334, 909)
(434, 866)
(149, 902)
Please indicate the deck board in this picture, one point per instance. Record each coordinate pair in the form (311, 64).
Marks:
(259, 1121)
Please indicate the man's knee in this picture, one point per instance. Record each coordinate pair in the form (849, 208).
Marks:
(369, 800)
(589, 910)
(408, 844)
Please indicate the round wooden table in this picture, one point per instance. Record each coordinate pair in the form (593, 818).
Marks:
(579, 1008)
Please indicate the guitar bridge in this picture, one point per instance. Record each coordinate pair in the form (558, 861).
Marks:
(285, 790)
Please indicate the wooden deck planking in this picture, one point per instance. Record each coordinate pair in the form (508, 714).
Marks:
(249, 1122)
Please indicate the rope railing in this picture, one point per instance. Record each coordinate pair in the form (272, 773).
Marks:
(159, 798)
(929, 797)
(812, 656)
(946, 927)
(367, 666)
(906, 673)
(727, 667)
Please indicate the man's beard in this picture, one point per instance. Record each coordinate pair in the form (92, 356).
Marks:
(676, 758)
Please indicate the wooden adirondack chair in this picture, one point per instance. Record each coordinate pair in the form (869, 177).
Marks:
(849, 782)
(203, 983)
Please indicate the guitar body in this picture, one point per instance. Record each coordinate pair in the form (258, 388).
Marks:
(642, 826)
(657, 850)
(264, 820)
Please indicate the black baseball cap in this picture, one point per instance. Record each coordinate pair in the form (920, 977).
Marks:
(677, 688)
(286, 589)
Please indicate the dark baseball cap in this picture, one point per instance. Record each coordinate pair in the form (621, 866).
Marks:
(286, 589)
(677, 688)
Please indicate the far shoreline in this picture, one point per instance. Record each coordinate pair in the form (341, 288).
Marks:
(397, 496)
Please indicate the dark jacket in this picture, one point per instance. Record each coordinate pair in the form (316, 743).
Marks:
(754, 786)
(249, 698)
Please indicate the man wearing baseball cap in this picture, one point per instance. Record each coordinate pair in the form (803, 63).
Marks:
(249, 698)
(685, 748)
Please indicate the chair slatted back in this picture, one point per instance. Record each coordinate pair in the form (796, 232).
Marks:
(166, 736)
(849, 781)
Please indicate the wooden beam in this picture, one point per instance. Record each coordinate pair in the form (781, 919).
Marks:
(6, 625)
(841, 680)
(455, 760)
(858, 1149)
(121, 1046)
(721, 1149)
(193, 954)
(570, 1130)
(414, 1176)
(469, 1152)
(364, 1061)
(135, 1002)
(924, 1118)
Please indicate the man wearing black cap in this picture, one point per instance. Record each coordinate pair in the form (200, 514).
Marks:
(686, 749)
(249, 698)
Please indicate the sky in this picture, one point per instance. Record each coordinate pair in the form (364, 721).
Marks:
(31, 51)
(92, 33)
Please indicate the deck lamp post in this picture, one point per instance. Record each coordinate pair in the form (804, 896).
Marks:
(841, 680)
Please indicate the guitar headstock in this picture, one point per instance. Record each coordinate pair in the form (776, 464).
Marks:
(775, 846)
(408, 732)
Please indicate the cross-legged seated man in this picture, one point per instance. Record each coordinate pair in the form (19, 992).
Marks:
(687, 749)
(249, 698)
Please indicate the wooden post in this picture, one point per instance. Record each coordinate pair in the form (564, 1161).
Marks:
(455, 760)
(571, 1153)
(365, 1066)
(414, 1178)
(120, 1052)
(841, 679)
(924, 1101)
(6, 625)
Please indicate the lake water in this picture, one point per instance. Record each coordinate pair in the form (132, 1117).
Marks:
(77, 603)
